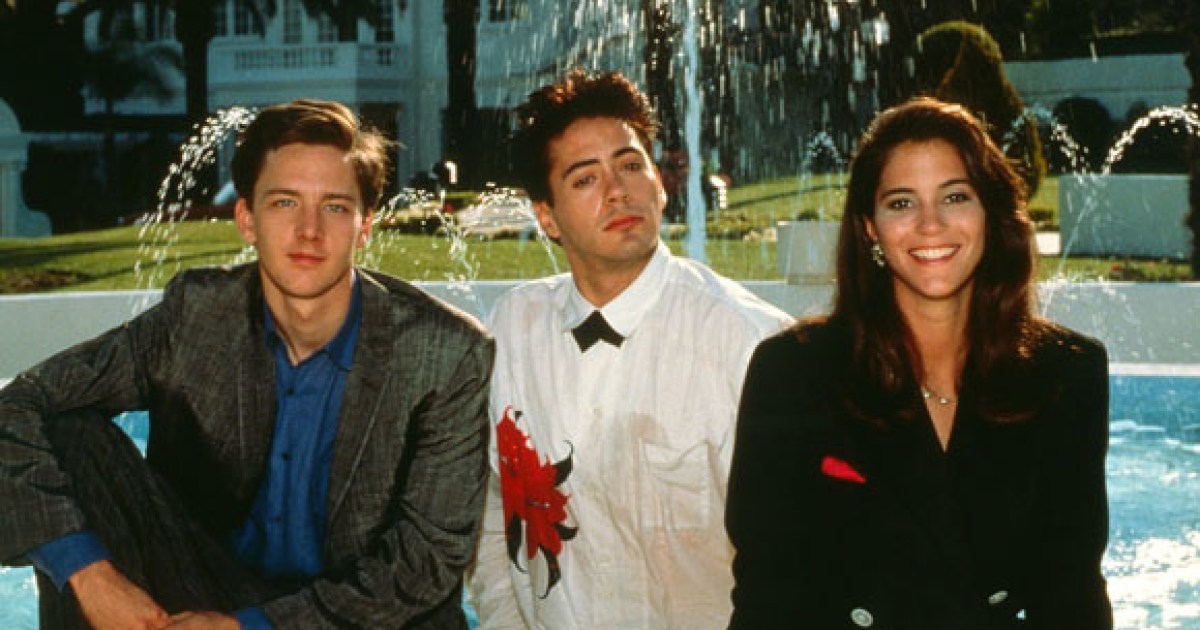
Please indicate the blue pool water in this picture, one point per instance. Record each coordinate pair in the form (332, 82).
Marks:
(1153, 559)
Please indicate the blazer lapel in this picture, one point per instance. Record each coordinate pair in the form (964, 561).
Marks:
(256, 404)
(363, 393)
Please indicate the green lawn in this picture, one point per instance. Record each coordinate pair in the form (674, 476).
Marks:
(738, 246)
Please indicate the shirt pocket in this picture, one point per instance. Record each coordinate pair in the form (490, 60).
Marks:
(678, 489)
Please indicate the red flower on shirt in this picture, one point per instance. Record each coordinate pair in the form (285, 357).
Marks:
(531, 498)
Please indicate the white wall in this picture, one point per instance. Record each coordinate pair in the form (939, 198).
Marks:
(1117, 82)
(1124, 215)
(1141, 323)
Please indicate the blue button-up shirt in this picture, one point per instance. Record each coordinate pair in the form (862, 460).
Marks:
(283, 536)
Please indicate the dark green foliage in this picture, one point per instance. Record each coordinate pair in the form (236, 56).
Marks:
(71, 185)
(1090, 126)
(959, 62)
(1159, 148)
(39, 66)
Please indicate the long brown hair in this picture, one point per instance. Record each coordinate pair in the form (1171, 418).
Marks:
(1002, 327)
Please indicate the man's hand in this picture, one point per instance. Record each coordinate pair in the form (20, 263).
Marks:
(109, 600)
(203, 620)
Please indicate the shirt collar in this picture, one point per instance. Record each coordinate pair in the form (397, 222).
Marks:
(625, 311)
(341, 348)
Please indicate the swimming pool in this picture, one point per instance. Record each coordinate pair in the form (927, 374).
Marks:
(1153, 559)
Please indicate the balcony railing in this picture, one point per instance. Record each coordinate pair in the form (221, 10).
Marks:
(234, 63)
(297, 58)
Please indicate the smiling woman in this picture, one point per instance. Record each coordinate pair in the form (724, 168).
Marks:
(928, 222)
(930, 455)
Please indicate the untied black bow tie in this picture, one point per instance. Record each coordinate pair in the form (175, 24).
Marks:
(593, 329)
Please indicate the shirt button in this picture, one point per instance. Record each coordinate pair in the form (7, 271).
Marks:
(862, 617)
(997, 598)
(291, 391)
(287, 457)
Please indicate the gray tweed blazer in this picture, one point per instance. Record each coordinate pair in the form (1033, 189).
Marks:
(409, 462)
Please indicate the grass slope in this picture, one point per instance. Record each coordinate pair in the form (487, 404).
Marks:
(739, 246)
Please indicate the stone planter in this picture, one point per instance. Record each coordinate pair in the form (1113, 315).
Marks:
(806, 251)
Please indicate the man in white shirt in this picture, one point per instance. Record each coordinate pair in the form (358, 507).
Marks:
(615, 390)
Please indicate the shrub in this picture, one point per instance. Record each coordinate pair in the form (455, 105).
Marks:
(961, 63)
(1161, 147)
(1091, 128)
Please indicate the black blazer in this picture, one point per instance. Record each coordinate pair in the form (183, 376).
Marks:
(845, 523)
(407, 477)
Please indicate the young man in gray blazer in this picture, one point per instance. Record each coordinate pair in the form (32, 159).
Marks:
(316, 454)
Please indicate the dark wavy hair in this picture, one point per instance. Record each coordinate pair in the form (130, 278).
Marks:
(1002, 327)
(549, 110)
(309, 121)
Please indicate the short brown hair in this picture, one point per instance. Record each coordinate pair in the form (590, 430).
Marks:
(550, 109)
(309, 121)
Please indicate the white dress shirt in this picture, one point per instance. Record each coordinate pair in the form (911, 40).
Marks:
(648, 430)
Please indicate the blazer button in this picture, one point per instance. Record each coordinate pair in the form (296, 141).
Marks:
(997, 598)
(862, 617)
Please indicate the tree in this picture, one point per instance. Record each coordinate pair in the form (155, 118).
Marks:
(39, 68)
(122, 68)
(959, 62)
(460, 124)
(658, 56)
(344, 13)
(1062, 28)
(194, 29)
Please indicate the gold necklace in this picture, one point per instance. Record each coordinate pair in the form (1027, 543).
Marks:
(926, 393)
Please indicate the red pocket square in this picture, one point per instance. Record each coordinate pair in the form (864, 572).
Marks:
(839, 469)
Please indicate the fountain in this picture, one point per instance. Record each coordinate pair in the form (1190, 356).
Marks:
(1130, 215)
(697, 210)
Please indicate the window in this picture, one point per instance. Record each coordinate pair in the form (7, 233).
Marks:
(220, 20)
(293, 22)
(326, 30)
(505, 10)
(243, 19)
(165, 25)
(385, 31)
(122, 25)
